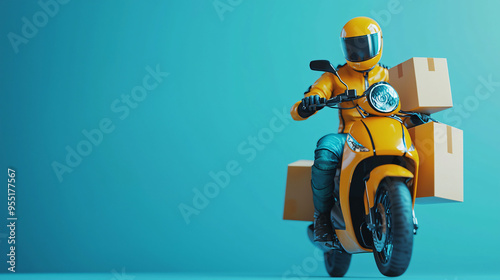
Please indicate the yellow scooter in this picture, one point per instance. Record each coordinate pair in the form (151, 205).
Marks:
(376, 183)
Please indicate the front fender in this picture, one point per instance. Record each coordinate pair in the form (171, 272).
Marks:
(377, 175)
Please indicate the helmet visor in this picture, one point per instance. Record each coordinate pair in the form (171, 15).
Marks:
(361, 48)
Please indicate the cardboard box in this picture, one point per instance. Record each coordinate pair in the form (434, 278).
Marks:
(440, 149)
(423, 84)
(298, 197)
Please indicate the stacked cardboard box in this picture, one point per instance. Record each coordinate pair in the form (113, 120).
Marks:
(423, 85)
(440, 150)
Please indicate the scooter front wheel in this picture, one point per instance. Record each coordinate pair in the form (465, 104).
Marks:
(393, 236)
(337, 262)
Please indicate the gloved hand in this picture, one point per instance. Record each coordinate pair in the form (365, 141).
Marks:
(419, 119)
(310, 105)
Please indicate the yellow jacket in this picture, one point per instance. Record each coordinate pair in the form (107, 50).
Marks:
(328, 86)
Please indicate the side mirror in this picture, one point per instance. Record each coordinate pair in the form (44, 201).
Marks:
(323, 66)
(326, 66)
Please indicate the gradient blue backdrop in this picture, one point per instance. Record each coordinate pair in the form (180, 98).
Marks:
(228, 76)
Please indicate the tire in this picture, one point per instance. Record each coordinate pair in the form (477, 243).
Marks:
(393, 236)
(337, 262)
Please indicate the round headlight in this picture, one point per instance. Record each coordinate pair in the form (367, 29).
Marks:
(383, 97)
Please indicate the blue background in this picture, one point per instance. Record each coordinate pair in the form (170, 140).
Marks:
(228, 76)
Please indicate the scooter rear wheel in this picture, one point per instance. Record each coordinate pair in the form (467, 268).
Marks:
(337, 262)
(393, 237)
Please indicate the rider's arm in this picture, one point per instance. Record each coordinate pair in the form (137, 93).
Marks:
(323, 87)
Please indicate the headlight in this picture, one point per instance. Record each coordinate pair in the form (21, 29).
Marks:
(354, 145)
(383, 97)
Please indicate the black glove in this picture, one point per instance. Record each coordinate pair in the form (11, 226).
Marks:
(309, 105)
(419, 118)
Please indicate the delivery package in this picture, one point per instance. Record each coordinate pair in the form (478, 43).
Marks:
(423, 84)
(298, 197)
(440, 151)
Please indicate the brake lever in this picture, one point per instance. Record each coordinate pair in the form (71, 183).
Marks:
(348, 95)
(334, 101)
(316, 107)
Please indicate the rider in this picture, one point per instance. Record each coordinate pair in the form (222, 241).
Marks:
(361, 40)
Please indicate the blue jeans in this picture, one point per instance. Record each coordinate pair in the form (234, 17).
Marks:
(327, 156)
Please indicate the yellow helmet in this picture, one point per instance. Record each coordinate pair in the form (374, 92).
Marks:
(362, 43)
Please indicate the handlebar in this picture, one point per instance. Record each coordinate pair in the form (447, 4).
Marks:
(348, 95)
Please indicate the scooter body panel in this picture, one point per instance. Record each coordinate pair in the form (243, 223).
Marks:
(383, 136)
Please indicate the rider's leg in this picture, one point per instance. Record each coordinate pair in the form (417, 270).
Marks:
(327, 156)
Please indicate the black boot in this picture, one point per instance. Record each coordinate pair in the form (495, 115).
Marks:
(323, 231)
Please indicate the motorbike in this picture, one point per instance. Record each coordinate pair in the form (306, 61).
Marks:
(376, 182)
